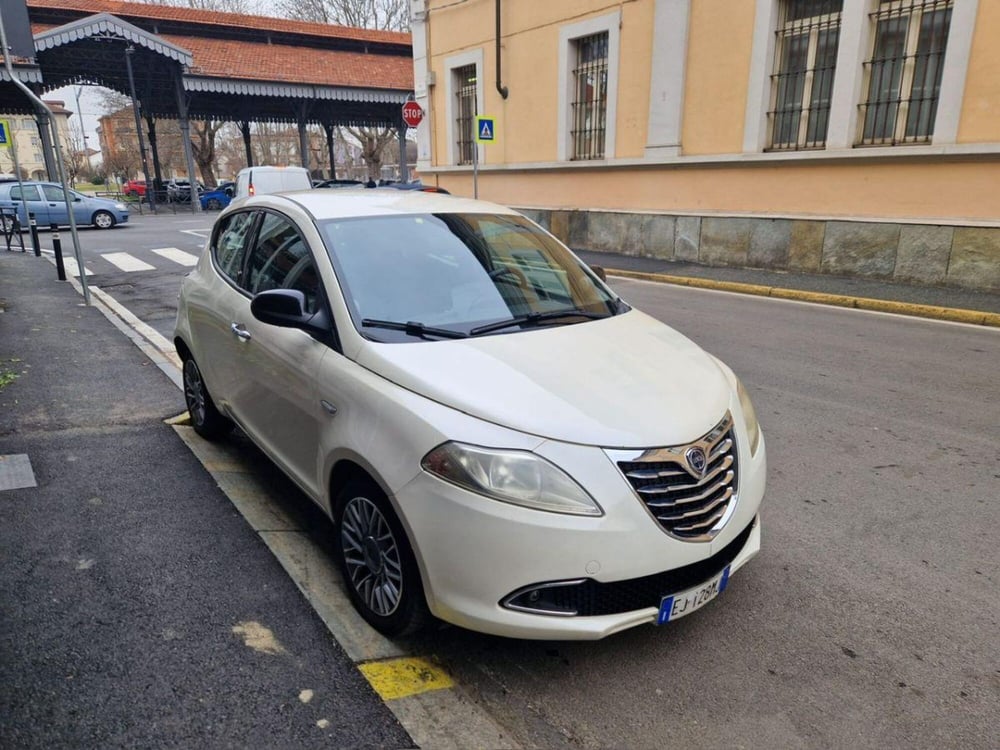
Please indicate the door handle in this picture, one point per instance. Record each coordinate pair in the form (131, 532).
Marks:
(240, 331)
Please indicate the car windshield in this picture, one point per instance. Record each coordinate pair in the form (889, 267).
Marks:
(425, 277)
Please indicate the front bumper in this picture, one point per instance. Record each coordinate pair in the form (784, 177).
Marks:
(475, 552)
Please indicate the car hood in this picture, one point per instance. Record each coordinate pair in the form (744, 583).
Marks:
(626, 381)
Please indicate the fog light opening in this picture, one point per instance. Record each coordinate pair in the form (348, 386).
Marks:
(545, 599)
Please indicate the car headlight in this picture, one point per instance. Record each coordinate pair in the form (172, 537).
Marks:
(511, 476)
(749, 416)
(121, 207)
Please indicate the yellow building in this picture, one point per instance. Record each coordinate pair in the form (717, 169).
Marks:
(24, 129)
(841, 136)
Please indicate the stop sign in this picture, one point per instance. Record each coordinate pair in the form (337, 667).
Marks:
(412, 114)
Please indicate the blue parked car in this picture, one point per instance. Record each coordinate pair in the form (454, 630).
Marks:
(216, 199)
(46, 201)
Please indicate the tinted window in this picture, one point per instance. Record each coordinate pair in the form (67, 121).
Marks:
(230, 243)
(30, 193)
(281, 260)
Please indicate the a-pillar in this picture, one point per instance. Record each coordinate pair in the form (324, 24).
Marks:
(182, 108)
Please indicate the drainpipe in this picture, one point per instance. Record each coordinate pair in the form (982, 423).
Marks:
(500, 87)
(59, 160)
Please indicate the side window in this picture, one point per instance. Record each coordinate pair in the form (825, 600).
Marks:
(30, 193)
(52, 193)
(229, 247)
(281, 260)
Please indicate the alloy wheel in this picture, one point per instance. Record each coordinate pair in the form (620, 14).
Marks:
(372, 556)
(194, 392)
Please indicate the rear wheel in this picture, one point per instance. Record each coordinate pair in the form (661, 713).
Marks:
(103, 220)
(205, 418)
(376, 560)
(213, 204)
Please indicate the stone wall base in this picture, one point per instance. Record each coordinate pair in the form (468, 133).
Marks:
(967, 257)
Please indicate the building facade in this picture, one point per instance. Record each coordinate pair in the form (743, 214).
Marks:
(858, 137)
(24, 130)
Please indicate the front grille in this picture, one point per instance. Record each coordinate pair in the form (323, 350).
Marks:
(691, 499)
(587, 597)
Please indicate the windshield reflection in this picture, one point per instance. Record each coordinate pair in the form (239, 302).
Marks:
(458, 272)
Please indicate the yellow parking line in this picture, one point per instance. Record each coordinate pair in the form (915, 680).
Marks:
(182, 419)
(400, 678)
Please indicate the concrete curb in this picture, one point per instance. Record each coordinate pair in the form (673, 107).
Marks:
(954, 315)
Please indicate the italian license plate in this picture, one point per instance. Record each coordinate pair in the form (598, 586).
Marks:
(684, 603)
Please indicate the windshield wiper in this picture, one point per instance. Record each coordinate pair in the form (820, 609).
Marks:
(413, 328)
(537, 317)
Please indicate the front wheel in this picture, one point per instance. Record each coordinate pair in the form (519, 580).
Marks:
(378, 565)
(205, 418)
(103, 220)
(213, 204)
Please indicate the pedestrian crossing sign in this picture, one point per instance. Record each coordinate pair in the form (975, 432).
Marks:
(4, 134)
(486, 130)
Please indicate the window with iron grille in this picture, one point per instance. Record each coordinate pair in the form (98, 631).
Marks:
(805, 60)
(465, 95)
(904, 73)
(590, 96)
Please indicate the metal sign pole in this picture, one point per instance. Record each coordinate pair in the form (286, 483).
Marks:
(475, 170)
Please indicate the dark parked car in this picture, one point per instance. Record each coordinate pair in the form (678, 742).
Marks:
(179, 190)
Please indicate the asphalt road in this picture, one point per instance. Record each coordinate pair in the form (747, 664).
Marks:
(870, 619)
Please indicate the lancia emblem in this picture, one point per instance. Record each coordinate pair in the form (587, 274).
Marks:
(696, 461)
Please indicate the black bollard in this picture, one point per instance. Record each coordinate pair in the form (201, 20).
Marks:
(33, 224)
(57, 248)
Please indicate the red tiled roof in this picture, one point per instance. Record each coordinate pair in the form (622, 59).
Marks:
(278, 63)
(275, 62)
(217, 18)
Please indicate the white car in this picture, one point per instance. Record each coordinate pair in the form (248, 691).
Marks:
(501, 441)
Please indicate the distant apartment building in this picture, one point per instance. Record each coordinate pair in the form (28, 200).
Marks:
(24, 129)
(857, 137)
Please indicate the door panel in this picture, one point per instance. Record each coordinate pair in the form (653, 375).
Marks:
(36, 205)
(275, 399)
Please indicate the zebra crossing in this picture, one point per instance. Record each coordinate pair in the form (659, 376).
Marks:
(129, 263)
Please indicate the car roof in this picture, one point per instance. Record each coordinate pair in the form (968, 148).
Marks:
(323, 203)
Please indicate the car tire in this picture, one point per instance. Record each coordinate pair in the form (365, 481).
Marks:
(377, 562)
(103, 220)
(205, 417)
(213, 204)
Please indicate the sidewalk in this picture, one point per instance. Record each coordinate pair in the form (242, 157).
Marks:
(844, 291)
(137, 607)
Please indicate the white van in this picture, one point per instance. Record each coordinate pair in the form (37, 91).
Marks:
(262, 180)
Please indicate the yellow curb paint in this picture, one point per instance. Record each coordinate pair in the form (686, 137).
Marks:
(400, 678)
(955, 315)
(179, 420)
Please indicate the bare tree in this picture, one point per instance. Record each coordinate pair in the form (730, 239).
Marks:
(388, 15)
(203, 134)
(373, 142)
(229, 6)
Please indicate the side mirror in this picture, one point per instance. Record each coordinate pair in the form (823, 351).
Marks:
(280, 307)
(600, 273)
(286, 308)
